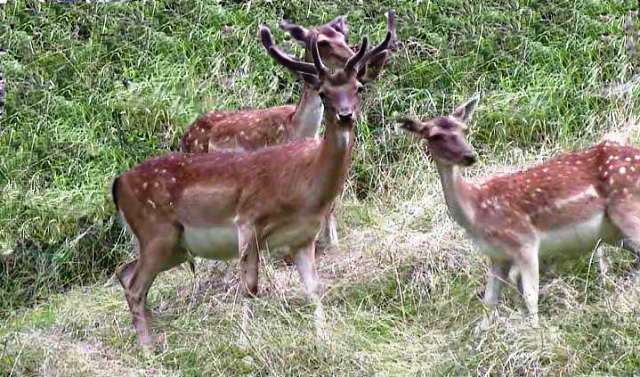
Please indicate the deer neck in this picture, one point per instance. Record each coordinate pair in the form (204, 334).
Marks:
(333, 161)
(458, 194)
(308, 114)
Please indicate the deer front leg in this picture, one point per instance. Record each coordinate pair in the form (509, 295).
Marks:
(496, 276)
(249, 262)
(305, 263)
(330, 233)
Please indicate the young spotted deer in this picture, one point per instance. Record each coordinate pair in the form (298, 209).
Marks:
(226, 204)
(562, 207)
(257, 128)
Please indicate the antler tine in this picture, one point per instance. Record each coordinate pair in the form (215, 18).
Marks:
(384, 45)
(317, 60)
(281, 56)
(391, 23)
(357, 58)
(389, 39)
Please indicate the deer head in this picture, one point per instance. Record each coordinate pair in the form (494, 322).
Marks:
(445, 135)
(339, 89)
(333, 44)
(332, 40)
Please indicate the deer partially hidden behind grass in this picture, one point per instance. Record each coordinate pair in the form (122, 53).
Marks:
(562, 207)
(253, 129)
(225, 205)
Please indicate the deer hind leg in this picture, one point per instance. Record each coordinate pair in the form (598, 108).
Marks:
(625, 215)
(155, 256)
(496, 276)
(530, 281)
(306, 266)
(603, 263)
(249, 264)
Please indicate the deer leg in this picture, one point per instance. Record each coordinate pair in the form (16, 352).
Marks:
(156, 256)
(530, 280)
(125, 271)
(496, 276)
(249, 262)
(625, 216)
(306, 266)
(330, 229)
(603, 263)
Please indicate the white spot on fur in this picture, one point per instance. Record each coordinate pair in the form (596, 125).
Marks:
(622, 170)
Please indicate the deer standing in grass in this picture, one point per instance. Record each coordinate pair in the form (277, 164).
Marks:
(560, 208)
(226, 204)
(258, 128)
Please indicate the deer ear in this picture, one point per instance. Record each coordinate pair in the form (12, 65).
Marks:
(411, 125)
(340, 25)
(465, 111)
(297, 32)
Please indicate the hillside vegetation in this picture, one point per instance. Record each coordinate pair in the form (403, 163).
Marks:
(93, 89)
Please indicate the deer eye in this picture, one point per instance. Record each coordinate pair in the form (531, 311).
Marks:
(360, 88)
(436, 137)
(322, 95)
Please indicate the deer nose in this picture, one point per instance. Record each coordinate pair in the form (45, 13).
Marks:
(345, 116)
(469, 159)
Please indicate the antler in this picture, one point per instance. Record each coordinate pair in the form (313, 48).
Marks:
(353, 62)
(317, 60)
(389, 39)
(281, 56)
(391, 26)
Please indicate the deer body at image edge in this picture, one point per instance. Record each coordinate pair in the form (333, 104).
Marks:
(561, 208)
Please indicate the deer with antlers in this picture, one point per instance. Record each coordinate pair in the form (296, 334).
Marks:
(560, 208)
(258, 128)
(226, 204)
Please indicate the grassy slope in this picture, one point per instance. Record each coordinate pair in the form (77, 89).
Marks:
(92, 90)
